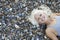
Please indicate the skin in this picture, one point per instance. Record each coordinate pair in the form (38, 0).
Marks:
(42, 18)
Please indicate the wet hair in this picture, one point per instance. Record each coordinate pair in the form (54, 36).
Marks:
(41, 9)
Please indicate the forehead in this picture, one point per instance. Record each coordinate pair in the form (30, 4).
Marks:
(36, 16)
(39, 13)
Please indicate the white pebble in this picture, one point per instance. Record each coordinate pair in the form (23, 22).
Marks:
(16, 26)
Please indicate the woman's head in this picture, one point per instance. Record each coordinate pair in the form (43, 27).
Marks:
(39, 16)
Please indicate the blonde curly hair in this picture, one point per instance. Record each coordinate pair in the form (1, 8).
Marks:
(40, 9)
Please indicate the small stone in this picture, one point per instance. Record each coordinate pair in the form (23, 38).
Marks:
(16, 26)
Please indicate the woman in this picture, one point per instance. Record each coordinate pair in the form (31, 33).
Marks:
(44, 15)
